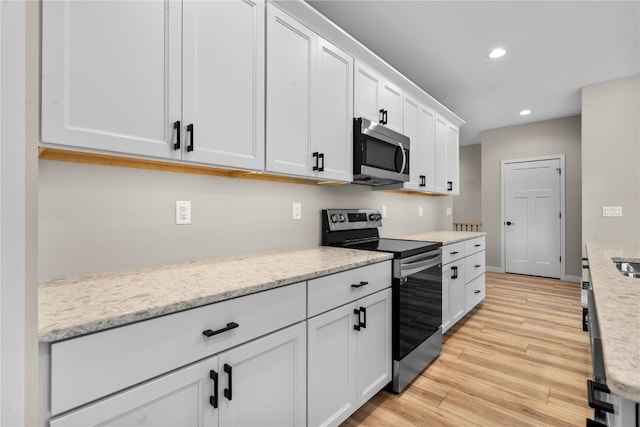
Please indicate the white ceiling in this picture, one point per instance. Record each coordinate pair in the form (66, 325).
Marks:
(553, 49)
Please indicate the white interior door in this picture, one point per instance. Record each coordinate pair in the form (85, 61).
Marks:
(532, 220)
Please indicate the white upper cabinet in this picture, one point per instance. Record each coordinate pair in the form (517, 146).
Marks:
(111, 75)
(447, 160)
(419, 126)
(309, 102)
(453, 160)
(156, 78)
(291, 66)
(377, 99)
(223, 83)
(334, 117)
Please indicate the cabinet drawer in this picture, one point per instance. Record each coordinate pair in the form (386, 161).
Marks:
(473, 293)
(474, 265)
(328, 292)
(89, 367)
(452, 252)
(474, 245)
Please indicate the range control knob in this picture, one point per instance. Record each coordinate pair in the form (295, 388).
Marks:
(341, 218)
(334, 218)
(374, 217)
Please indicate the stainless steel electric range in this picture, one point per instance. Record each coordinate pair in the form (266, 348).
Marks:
(416, 287)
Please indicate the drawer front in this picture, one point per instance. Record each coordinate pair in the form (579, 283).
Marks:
(328, 292)
(474, 265)
(89, 367)
(473, 293)
(452, 252)
(474, 245)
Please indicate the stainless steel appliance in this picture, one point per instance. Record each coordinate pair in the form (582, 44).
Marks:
(380, 155)
(416, 287)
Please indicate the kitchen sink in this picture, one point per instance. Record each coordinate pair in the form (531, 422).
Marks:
(628, 267)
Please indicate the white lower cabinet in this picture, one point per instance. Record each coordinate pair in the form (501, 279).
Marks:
(463, 284)
(261, 383)
(349, 357)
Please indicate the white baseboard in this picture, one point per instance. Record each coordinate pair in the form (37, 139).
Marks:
(573, 278)
(494, 269)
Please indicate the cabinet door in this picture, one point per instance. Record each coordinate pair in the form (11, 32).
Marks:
(410, 126)
(111, 75)
(291, 67)
(453, 284)
(442, 128)
(331, 390)
(453, 184)
(223, 84)
(334, 118)
(263, 382)
(176, 400)
(427, 146)
(391, 98)
(367, 84)
(373, 353)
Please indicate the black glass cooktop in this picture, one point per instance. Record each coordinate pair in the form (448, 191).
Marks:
(398, 247)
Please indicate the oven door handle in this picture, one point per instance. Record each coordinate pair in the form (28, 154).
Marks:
(407, 269)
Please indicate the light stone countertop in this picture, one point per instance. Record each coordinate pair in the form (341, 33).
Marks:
(617, 300)
(446, 237)
(76, 306)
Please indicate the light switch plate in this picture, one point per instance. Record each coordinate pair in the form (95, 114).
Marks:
(297, 210)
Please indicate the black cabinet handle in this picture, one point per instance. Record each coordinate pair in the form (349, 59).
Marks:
(213, 400)
(359, 285)
(176, 126)
(229, 372)
(357, 326)
(209, 333)
(385, 116)
(321, 157)
(423, 181)
(363, 310)
(477, 291)
(454, 271)
(477, 245)
(477, 265)
(585, 319)
(190, 130)
(315, 156)
(594, 403)
(454, 253)
(449, 185)
(381, 116)
(509, 223)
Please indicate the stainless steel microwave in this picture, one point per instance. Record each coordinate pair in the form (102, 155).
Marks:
(380, 155)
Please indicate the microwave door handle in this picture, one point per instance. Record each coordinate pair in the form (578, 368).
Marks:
(404, 157)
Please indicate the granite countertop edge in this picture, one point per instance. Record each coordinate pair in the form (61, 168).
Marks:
(445, 237)
(347, 259)
(617, 300)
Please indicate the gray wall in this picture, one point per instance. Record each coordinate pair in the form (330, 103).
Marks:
(611, 160)
(545, 138)
(467, 207)
(97, 218)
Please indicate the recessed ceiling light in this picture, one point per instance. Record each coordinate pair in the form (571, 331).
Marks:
(497, 53)
(525, 112)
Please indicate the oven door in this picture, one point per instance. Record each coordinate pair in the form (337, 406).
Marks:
(417, 296)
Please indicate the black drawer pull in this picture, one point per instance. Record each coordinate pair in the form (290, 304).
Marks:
(594, 403)
(357, 312)
(228, 371)
(190, 130)
(477, 245)
(478, 265)
(213, 400)
(454, 273)
(454, 253)
(585, 319)
(359, 285)
(209, 333)
(477, 291)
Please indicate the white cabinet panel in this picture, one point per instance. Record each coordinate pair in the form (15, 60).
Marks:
(442, 128)
(223, 85)
(419, 126)
(453, 160)
(391, 98)
(291, 67)
(172, 400)
(474, 265)
(265, 381)
(474, 293)
(111, 90)
(334, 118)
(368, 86)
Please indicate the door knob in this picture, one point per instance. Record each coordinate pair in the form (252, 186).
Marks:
(509, 223)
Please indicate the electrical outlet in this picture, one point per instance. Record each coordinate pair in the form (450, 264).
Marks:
(612, 211)
(183, 212)
(449, 211)
(383, 211)
(297, 210)
(420, 211)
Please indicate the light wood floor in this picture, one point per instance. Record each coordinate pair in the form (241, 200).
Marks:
(520, 359)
